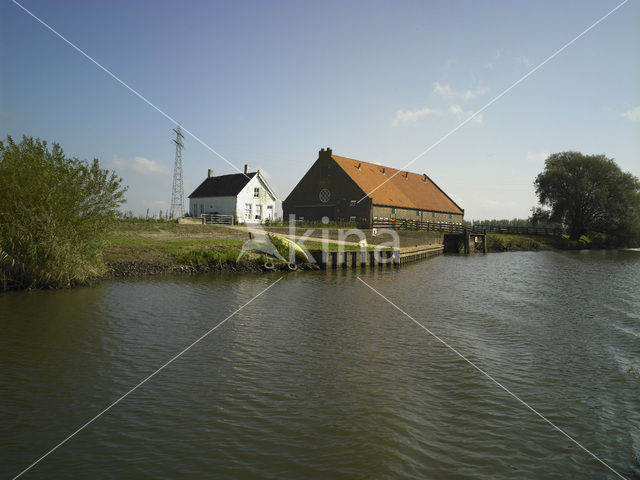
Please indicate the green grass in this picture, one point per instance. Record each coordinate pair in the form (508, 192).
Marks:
(501, 242)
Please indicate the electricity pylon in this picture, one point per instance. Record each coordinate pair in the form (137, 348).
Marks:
(177, 194)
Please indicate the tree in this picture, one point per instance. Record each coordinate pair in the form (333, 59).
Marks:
(589, 193)
(53, 212)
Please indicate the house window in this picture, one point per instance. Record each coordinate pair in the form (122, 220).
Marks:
(417, 213)
(393, 209)
(433, 214)
(247, 211)
(352, 218)
(270, 212)
(353, 203)
(256, 192)
(450, 216)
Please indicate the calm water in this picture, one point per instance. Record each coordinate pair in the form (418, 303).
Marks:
(320, 378)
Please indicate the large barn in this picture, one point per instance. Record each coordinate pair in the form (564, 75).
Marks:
(334, 186)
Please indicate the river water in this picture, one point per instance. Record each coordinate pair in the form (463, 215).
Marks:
(320, 377)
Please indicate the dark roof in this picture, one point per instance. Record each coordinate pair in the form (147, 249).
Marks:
(222, 186)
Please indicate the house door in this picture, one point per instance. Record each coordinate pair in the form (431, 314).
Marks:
(269, 212)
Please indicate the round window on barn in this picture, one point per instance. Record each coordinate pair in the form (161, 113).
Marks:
(324, 195)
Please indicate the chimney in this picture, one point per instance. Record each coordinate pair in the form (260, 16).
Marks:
(424, 177)
(325, 153)
(384, 171)
(359, 165)
(406, 174)
(247, 169)
(210, 173)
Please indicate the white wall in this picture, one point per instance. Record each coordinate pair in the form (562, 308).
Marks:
(260, 204)
(222, 205)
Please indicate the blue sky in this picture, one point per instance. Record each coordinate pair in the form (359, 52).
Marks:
(270, 83)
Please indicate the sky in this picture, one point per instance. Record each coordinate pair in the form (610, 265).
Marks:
(270, 83)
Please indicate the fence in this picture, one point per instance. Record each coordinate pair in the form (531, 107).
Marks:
(225, 219)
(407, 224)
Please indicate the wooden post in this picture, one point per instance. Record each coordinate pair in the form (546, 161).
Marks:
(466, 242)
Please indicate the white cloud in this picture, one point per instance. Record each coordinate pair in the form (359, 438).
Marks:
(633, 115)
(140, 165)
(458, 112)
(488, 66)
(447, 93)
(406, 116)
(453, 111)
(520, 60)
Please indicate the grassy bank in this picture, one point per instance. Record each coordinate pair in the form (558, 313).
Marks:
(150, 247)
(505, 242)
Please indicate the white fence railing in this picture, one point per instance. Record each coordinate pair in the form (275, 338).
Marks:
(224, 219)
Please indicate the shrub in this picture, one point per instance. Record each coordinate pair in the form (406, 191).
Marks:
(53, 211)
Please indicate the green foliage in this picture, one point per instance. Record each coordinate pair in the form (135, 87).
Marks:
(53, 210)
(589, 193)
(505, 242)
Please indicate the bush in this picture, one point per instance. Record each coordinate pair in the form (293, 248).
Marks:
(53, 211)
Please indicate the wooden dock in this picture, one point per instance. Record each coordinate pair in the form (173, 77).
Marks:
(375, 258)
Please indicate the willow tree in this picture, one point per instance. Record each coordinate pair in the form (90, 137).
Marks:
(53, 212)
(589, 193)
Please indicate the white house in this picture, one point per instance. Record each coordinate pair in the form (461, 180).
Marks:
(246, 195)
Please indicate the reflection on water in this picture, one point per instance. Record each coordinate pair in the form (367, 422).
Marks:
(320, 378)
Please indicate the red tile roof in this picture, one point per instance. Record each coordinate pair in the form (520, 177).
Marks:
(404, 190)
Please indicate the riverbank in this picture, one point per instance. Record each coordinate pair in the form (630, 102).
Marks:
(154, 247)
(505, 242)
(143, 248)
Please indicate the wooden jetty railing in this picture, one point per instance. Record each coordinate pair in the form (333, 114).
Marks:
(407, 224)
